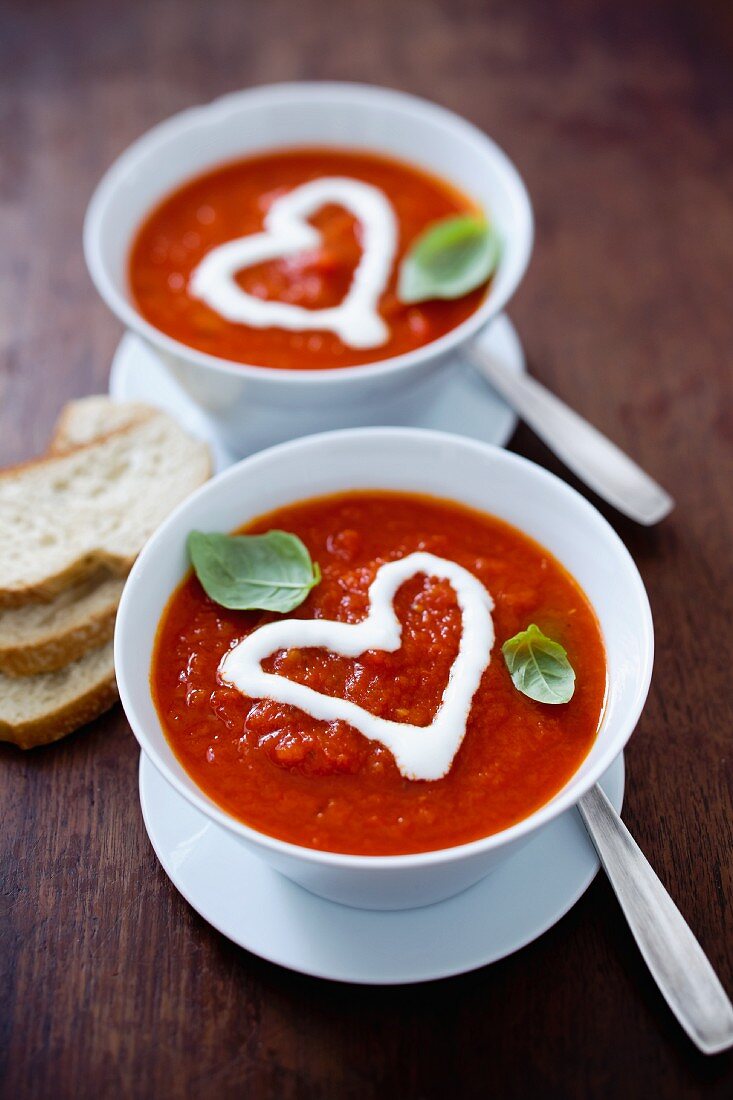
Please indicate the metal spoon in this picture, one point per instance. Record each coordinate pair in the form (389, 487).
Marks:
(676, 960)
(585, 450)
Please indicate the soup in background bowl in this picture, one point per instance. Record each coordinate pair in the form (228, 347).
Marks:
(232, 201)
(538, 506)
(251, 401)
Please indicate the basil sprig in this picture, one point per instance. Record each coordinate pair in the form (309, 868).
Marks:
(271, 572)
(449, 259)
(539, 667)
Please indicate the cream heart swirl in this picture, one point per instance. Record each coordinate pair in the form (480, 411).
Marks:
(421, 752)
(287, 231)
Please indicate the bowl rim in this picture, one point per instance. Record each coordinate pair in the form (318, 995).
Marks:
(564, 799)
(132, 161)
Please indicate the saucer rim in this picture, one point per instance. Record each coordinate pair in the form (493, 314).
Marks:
(614, 778)
(203, 425)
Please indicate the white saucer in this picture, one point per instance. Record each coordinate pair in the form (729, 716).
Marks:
(463, 402)
(272, 917)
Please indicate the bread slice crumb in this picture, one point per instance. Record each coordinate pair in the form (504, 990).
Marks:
(90, 418)
(42, 637)
(63, 517)
(37, 710)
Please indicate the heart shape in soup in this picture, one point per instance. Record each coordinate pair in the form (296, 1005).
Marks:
(231, 202)
(420, 752)
(287, 231)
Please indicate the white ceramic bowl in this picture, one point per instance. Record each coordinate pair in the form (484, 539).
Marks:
(475, 474)
(343, 115)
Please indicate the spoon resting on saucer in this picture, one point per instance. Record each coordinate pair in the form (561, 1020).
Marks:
(677, 962)
(586, 451)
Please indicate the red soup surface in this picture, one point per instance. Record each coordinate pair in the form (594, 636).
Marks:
(231, 202)
(324, 785)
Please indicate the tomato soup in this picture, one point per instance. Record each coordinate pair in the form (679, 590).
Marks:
(232, 201)
(323, 784)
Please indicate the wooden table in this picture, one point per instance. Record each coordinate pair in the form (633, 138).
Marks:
(620, 117)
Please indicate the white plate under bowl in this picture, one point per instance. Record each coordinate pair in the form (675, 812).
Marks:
(274, 918)
(460, 402)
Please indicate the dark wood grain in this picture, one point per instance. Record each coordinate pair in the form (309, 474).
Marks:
(620, 117)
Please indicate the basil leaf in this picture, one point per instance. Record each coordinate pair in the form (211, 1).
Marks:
(539, 667)
(449, 259)
(271, 572)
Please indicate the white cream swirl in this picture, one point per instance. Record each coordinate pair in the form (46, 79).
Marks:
(421, 752)
(356, 320)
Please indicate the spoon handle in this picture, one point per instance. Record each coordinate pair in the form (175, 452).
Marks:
(677, 962)
(583, 449)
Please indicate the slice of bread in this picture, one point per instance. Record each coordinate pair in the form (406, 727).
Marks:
(41, 637)
(89, 418)
(63, 517)
(36, 710)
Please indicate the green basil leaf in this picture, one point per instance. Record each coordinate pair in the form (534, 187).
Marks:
(539, 667)
(271, 572)
(449, 259)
